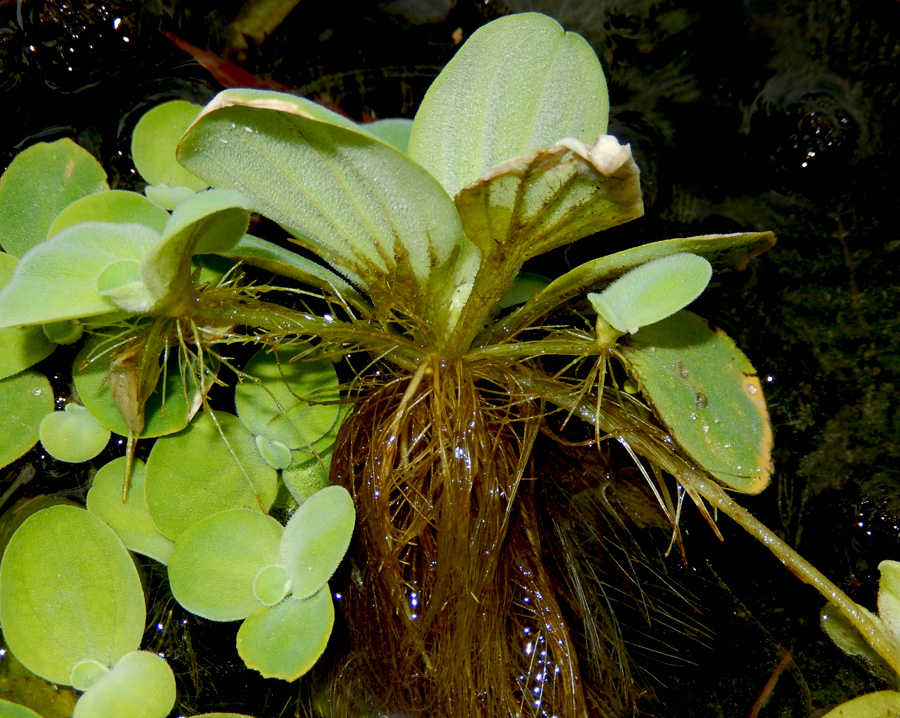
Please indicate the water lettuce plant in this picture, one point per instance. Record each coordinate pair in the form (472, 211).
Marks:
(404, 262)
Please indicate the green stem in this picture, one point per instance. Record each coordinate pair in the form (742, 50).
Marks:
(276, 321)
(868, 626)
(614, 420)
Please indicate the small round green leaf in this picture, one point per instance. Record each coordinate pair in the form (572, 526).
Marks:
(73, 435)
(276, 454)
(216, 561)
(25, 399)
(130, 519)
(67, 331)
(139, 685)
(653, 291)
(316, 539)
(200, 472)
(271, 585)
(295, 387)
(69, 592)
(154, 141)
(286, 640)
(86, 673)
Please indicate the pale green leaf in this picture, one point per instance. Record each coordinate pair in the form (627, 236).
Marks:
(286, 640)
(362, 204)
(69, 592)
(519, 83)
(266, 255)
(722, 250)
(139, 685)
(20, 347)
(653, 291)
(199, 472)
(130, 519)
(215, 562)
(25, 399)
(845, 635)
(70, 264)
(294, 402)
(153, 144)
(39, 183)
(889, 597)
(393, 130)
(208, 222)
(316, 539)
(73, 435)
(115, 206)
(708, 396)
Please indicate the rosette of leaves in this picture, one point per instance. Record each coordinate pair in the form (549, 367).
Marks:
(72, 611)
(421, 230)
(243, 565)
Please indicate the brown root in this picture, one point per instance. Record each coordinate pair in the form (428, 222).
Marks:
(449, 610)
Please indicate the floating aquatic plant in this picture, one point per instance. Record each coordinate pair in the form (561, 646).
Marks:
(406, 248)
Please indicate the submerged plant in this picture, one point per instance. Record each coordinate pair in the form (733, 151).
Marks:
(413, 237)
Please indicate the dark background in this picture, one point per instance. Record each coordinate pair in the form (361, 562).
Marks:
(743, 116)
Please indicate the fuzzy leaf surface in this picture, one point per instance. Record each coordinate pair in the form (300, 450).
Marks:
(286, 640)
(519, 83)
(38, 184)
(69, 592)
(360, 203)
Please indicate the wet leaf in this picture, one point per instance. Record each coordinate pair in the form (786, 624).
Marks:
(25, 399)
(708, 396)
(881, 704)
(360, 203)
(73, 435)
(116, 206)
(20, 347)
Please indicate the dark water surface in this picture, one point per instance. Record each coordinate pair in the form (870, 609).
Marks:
(743, 116)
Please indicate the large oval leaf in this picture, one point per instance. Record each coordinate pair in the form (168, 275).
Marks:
(201, 471)
(708, 396)
(69, 592)
(286, 640)
(20, 347)
(216, 560)
(362, 204)
(38, 184)
(519, 83)
(880, 704)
